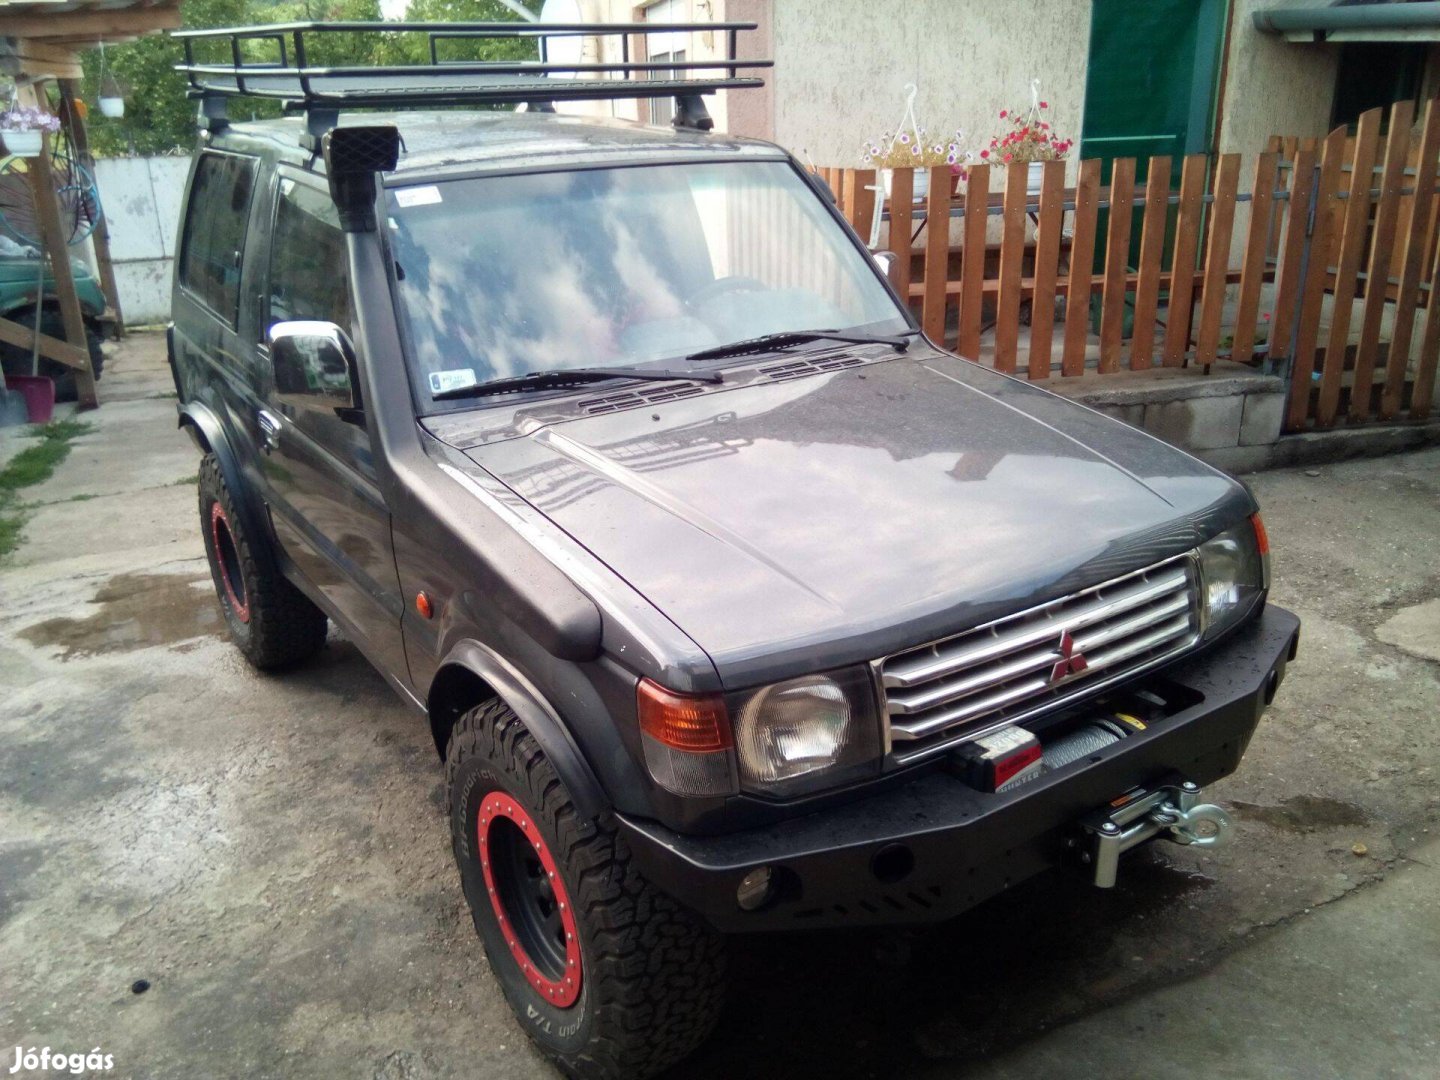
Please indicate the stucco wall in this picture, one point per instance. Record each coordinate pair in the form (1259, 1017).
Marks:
(841, 67)
(1274, 86)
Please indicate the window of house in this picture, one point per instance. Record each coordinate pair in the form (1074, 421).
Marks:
(662, 109)
(309, 270)
(215, 231)
(1375, 74)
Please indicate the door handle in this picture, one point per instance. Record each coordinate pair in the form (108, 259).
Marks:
(269, 430)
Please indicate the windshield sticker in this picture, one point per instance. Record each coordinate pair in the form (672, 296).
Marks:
(442, 382)
(417, 196)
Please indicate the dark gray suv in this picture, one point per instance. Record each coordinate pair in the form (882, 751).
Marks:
(732, 602)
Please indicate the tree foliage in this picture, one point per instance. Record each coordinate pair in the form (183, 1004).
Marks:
(160, 119)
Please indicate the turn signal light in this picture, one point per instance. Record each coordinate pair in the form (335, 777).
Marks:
(1262, 540)
(694, 723)
(687, 741)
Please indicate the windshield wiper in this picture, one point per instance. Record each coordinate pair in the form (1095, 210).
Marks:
(549, 380)
(786, 338)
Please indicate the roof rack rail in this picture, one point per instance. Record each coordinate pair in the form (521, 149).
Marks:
(277, 62)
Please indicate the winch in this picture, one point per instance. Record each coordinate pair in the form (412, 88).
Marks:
(1171, 811)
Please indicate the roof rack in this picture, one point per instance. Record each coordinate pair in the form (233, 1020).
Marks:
(285, 68)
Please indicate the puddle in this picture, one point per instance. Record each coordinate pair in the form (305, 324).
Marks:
(1304, 812)
(135, 611)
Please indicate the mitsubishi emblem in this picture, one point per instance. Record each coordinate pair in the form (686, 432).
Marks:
(1072, 661)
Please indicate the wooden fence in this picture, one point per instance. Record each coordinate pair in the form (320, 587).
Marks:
(1133, 275)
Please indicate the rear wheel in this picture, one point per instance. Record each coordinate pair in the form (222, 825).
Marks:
(606, 974)
(273, 623)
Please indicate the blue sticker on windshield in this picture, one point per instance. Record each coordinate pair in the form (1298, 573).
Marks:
(456, 379)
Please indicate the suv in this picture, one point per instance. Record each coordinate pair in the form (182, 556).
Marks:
(732, 602)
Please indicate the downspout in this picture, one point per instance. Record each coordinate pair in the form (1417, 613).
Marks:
(1320, 20)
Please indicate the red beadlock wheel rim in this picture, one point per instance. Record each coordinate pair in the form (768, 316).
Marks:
(227, 558)
(529, 899)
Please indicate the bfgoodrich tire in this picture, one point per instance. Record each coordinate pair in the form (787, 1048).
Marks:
(606, 974)
(273, 623)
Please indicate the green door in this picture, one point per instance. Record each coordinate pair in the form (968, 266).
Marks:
(1150, 86)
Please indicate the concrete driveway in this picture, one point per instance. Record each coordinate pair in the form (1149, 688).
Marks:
(270, 854)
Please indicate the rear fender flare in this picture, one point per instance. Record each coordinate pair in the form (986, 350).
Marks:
(201, 423)
(538, 715)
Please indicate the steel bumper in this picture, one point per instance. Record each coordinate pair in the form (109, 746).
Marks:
(956, 845)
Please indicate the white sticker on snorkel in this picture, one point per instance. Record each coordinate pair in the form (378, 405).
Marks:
(417, 196)
(442, 382)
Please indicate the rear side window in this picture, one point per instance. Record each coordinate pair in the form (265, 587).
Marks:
(309, 271)
(215, 231)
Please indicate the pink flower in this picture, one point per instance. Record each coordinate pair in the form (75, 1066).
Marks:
(984, 153)
(1044, 104)
(1266, 316)
(1008, 158)
(1004, 113)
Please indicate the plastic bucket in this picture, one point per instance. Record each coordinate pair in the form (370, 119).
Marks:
(39, 394)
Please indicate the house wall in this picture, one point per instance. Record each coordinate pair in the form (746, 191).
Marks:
(842, 67)
(1273, 86)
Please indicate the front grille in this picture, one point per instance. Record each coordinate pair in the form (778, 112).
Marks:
(1017, 666)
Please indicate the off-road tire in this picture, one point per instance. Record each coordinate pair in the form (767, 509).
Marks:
(271, 621)
(651, 972)
(16, 360)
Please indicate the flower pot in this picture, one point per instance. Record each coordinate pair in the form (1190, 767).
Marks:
(921, 188)
(1035, 178)
(24, 143)
(38, 392)
(113, 107)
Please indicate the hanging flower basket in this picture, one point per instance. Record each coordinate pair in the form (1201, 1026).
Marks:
(1028, 139)
(23, 130)
(911, 146)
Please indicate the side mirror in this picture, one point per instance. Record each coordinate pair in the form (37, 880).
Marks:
(314, 365)
(888, 262)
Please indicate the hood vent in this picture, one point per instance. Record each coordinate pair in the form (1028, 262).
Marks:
(794, 369)
(629, 399)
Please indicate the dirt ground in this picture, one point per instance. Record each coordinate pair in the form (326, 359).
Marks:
(270, 854)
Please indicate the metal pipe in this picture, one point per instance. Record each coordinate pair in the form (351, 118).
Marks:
(1356, 17)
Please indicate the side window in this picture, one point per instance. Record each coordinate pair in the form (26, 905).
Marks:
(215, 231)
(309, 270)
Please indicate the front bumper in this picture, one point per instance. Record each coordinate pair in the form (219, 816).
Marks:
(967, 845)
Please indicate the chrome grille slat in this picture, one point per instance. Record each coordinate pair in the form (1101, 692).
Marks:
(938, 693)
(939, 664)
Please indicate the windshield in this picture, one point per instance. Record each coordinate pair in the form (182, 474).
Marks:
(504, 275)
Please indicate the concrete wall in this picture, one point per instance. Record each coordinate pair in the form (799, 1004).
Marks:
(142, 197)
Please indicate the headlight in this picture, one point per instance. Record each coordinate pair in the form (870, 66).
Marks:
(1234, 573)
(805, 733)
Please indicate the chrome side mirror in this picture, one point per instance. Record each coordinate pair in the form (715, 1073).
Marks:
(314, 366)
(888, 262)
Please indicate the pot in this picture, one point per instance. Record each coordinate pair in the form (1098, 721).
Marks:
(1034, 180)
(113, 107)
(24, 143)
(921, 189)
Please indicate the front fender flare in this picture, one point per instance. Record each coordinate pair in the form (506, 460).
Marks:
(540, 719)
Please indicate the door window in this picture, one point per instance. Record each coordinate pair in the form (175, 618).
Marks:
(309, 271)
(215, 231)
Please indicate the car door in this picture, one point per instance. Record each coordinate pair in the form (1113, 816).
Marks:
(213, 357)
(328, 511)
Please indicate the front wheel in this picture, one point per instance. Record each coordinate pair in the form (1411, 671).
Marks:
(607, 975)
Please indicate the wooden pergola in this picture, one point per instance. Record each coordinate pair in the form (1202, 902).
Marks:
(41, 41)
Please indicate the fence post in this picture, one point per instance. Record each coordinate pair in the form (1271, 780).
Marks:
(1417, 238)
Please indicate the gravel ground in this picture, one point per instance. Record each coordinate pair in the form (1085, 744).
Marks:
(270, 854)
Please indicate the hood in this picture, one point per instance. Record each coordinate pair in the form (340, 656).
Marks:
(842, 516)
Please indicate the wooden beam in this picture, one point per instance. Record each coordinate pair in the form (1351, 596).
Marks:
(47, 69)
(47, 202)
(52, 348)
(83, 23)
